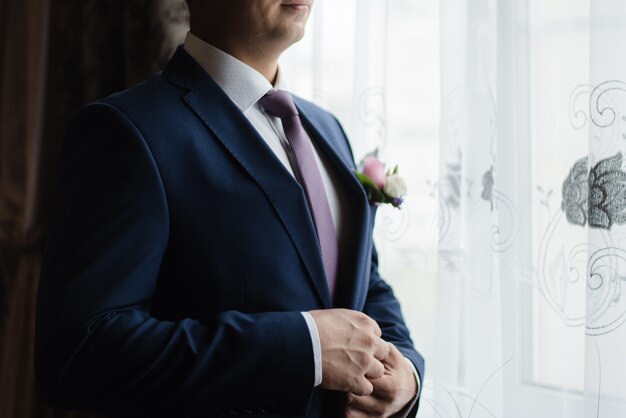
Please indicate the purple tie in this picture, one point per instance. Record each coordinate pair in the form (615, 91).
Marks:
(280, 104)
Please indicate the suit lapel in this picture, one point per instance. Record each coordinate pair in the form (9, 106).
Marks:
(243, 142)
(352, 286)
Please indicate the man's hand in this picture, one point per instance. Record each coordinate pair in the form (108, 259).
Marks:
(392, 392)
(352, 350)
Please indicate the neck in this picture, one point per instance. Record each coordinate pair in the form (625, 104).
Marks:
(264, 60)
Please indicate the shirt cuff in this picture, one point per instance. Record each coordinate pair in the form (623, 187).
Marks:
(317, 347)
(417, 376)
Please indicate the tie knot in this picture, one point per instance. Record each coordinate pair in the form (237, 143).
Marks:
(279, 103)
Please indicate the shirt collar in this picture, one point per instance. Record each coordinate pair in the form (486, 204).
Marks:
(242, 84)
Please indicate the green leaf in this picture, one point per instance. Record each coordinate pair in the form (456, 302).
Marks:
(365, 180)
(374, 194)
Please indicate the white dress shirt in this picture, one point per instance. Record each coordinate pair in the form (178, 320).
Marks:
(245, 86)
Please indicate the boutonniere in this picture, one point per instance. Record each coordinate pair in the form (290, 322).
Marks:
(381, 186)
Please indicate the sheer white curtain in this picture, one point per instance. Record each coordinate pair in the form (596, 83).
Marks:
(508, 117)
(532, 274)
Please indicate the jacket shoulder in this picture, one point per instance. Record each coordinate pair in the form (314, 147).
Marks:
(150, 96)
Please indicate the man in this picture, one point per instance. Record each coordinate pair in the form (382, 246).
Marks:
(211, 249)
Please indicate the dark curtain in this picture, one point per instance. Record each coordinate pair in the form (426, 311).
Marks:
(56, 56)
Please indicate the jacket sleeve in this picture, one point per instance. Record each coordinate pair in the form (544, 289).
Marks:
(98, 347)
(380, 303)
(382, 306)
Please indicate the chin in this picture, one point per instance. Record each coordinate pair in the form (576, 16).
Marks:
(288, 37)
(298, 36)
(296, 32)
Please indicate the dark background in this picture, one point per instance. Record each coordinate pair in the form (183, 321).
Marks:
(56, 56)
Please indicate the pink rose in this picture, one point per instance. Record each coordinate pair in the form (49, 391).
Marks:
(374, 169)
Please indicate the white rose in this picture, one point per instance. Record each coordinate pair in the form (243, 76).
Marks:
(395, 186)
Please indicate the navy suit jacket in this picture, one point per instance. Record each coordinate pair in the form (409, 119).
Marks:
(181, 253)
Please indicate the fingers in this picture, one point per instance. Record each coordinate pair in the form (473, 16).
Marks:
(375, 370)
(376, 405)
(363, 387)
(373, 325)
(393, 351)
(366, 405)
(355, 413)
(352, 350)
(384, 387)
(381, 349)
